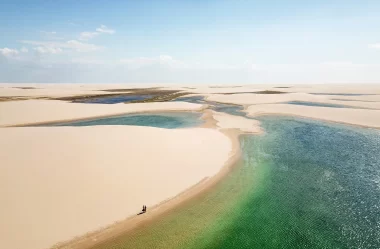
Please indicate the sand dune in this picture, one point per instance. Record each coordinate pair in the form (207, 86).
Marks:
(35, 111)
(250, 98)
(362, 117)
(60, 182)
(225, 121)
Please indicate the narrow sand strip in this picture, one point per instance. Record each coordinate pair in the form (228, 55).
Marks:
(39, 111)
(255, 99)
(361, 117)
(244, 125)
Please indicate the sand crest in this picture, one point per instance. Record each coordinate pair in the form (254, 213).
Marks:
(361, 117)
(37, 111)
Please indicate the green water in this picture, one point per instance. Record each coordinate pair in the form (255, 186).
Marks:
(162, 120)
(302, 184)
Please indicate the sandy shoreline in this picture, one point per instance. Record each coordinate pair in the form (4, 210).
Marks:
(356, 117)
(20, 113)
(82, 172)
(34, 146)
(31, 141)
(122, 227)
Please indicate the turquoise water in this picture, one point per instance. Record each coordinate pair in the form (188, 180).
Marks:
(236, 110)
(191, 99)
(302, 184)
(321, 189)
(219, 107)
(306, 103)
(161, 120)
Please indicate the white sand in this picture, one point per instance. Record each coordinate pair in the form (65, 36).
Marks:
(60, 182)
(35, 111)
(362, 117)
(226, 121)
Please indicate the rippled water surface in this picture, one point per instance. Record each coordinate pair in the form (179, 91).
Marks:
(321, 188)
(302, 184)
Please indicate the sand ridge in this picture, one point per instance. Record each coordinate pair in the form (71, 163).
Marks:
(40, 111)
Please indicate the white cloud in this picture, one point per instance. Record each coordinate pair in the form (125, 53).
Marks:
(24, 50)
(48, 32)
(48, 50)
(82, 47)
(375, 46)
(105, 29)
(85, 61)
(163, 60)
(8, 52)
(87, 35)
(72, 45)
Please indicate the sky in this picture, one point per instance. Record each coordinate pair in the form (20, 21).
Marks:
(191, 42)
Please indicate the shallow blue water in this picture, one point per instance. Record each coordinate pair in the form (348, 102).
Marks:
(219, 107)
(320, 188)
(344, 94)
(161, 120)
(236, 110)
(192, 99)
(114, 100)
(307, 103)
(303, 184)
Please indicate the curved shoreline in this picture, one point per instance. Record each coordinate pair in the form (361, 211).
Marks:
(311, 118)
(62, 121)
(125, 226)
(104, 234)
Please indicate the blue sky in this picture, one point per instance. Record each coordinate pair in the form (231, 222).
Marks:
(283, 41)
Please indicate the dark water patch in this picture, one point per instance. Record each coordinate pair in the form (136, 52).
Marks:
(258, 92)
(307, 103)
(25, 87)
(358, 100)
(344, 94)
(236, 110)
(191, 99)
(219, 107)
(113, 99)
(161, 120)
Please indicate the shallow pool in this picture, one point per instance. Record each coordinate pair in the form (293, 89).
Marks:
(162, 120)
(307, 103)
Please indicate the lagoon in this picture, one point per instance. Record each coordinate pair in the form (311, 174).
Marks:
(302, 184)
